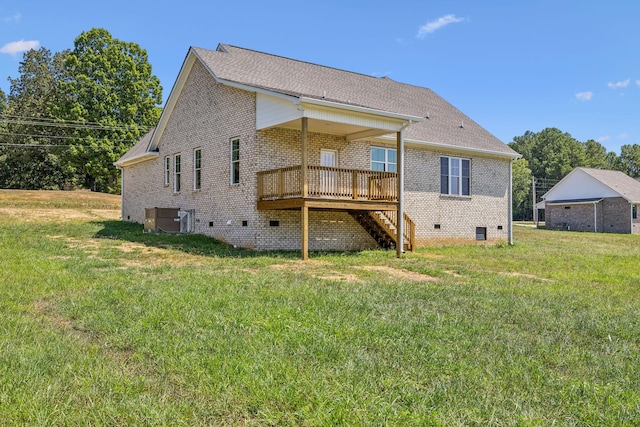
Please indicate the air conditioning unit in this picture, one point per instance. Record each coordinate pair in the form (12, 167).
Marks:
(169, 220)
(186, 218)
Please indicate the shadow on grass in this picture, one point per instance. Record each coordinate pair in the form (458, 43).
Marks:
(196, 244)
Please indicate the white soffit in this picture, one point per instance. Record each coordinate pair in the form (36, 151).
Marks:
(273, 111)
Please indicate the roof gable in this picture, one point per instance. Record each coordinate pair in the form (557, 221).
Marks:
(443, 124)
(433, 121)
(584, 183)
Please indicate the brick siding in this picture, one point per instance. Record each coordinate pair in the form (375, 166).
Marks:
(208, 115)
(612, 215)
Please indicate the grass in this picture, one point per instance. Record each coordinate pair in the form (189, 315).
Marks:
(105, 325)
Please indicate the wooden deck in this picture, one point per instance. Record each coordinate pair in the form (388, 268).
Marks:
(338, 189)
(326, 185)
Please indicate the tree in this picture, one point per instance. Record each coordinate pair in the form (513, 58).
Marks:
(630, 160)
(521, 186)
(596, 155)
(29, 161)
(111, 89)
(551, 153)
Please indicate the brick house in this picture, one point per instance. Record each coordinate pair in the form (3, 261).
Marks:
(267, 153)
(595, 200)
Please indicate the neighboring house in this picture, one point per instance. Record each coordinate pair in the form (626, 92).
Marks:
(594, 200)
(269, 153)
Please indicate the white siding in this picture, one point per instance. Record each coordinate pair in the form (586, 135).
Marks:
(579, 185)
(272, 111)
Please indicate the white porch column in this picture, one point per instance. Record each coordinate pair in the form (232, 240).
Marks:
(400, 168)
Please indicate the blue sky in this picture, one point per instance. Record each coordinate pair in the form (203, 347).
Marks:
(512, 66)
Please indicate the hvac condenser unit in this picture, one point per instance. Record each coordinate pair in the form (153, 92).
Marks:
(168, 220)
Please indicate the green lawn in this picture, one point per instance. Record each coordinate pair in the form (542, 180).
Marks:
(104, 325)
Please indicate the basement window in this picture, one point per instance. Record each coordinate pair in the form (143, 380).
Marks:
(274, 223)
(245, 223)
(436, 226)
(481, 233)
(567, 207)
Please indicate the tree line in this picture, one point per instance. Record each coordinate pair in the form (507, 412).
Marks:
(69, 115)
(549, 155)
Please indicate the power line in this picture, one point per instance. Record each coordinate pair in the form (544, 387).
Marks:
(60, 137)
(69, 124)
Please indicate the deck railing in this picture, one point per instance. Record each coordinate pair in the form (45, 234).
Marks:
(409, 232)
(330, 182)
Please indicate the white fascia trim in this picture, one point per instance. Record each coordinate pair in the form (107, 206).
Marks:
(143, 158)
(562, 203)
(365, 110)
(456, 148)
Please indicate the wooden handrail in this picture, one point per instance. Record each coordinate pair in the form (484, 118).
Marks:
(409, 232)
(325, 181)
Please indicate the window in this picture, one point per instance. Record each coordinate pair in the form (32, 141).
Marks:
(197, 169)
(176, 173)
(235, 161)
(455, 176)
(383, 159)
(167, 170)
(634, 212)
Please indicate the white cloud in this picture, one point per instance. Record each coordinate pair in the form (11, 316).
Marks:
(603, 138)
(13, 18)
(638, 82)
(13, 48)
(623, 135)
(618, 85)
(584, 96)
(433, 26)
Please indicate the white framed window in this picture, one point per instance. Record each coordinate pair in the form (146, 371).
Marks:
(384, 159)
(235, 161)
(455, 176)
(177, 172)
(167, 170)
(197, 169)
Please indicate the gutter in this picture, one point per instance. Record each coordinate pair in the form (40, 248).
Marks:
(512, 156)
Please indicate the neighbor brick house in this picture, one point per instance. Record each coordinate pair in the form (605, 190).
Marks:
(266, 152)
(597, 200)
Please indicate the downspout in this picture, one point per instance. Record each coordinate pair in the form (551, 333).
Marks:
(121, 192)
(595, 217)
(510, 218)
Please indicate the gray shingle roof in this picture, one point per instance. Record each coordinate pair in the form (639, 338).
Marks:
(137, 151)
(619, 182)
(304, 79)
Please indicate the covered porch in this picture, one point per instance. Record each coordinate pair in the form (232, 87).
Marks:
(374, 198)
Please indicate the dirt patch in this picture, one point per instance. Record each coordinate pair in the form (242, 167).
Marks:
(340, 277)
(528, 276)
(59, 215)
(400, 274)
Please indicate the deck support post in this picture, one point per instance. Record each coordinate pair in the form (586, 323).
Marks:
(400, 220)
(305, 232)
(304, 210)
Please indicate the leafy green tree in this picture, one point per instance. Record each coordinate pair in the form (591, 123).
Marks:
(3, 101)
(596, 155)
(551, 153)
(630, 160)
(29, 160)
(612, 161)
(521, 185)
(111, 89)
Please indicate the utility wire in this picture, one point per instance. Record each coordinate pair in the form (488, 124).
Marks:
(59, 137)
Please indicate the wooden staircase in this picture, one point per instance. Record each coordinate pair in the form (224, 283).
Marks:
(382, 226)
